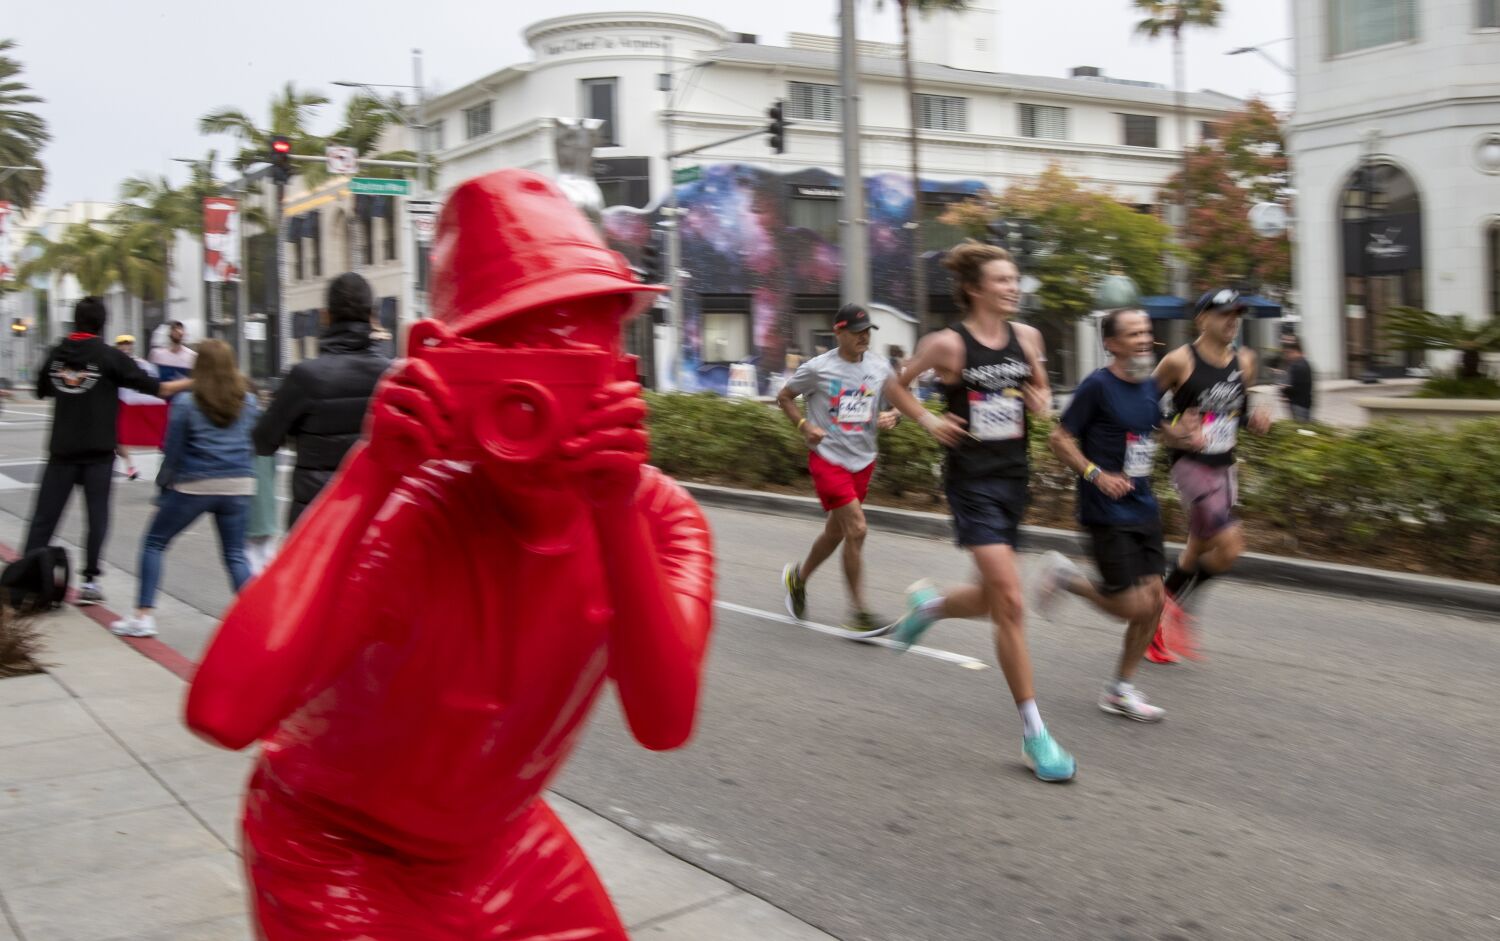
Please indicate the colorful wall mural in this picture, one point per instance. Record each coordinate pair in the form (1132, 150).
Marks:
(739, 243)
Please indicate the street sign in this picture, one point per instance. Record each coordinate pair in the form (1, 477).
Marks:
(424, 216)
(369, 186)
(342, 161)
(687, 174)
(255, 331)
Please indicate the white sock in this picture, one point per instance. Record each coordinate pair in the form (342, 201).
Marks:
(1031, 718)
(932, 608)
(1120, 687)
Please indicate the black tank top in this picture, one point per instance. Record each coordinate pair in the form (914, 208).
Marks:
(1218, 392)
(988, 397)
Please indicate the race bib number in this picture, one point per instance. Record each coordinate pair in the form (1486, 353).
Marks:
(1220, 432)
(1139, 454)
(995, 416)
(855, 409)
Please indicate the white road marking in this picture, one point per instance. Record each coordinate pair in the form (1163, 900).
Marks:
(947, 656)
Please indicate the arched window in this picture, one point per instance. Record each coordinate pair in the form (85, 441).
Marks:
(1382, 252)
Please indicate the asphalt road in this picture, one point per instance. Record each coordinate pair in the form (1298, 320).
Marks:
(1328, 773)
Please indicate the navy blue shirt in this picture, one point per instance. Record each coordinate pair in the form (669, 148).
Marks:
(1114, 422)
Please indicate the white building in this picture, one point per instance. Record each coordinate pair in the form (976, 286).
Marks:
(1411, 88)
(760, 233)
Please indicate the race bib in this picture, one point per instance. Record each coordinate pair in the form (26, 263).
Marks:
(995, 416)
(1220, 433)
(1139, 455)
(855, 409)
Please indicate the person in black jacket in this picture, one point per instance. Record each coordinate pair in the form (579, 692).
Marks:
(321, 403)
(1298, 389)
(84, 375)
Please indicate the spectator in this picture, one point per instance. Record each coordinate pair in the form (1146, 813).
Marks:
(1298, 386)
(207, 467)
(321, 404)
(85, 376)
(174, 360)
(260, 538)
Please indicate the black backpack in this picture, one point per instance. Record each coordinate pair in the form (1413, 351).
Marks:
(38, 581)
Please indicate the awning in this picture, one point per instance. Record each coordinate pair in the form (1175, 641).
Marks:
(1164, 307)
(1261, 306)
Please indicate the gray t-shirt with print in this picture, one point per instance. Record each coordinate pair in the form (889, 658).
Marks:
(845, 400)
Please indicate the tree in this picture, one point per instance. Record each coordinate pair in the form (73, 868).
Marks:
(1410, 328)
(1223, 180)
(84, 251)
(1172, 17)
(23, 134)
(909, 84)
(1086, 234)
(291, 113)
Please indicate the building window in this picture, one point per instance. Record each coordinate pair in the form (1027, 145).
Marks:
(366, 240)
(435, 135)
(299, 271)
(314, 231)
(1492, 251)
(726, 338)
(624, 181)
(477, 120)
(1139, 130)
(942, 113)
(1364, 24)
(1489, 14)
(818, 215)
(390, 235)
(806, 101)
(1208, 130)
(1044, 121)
(599, 103)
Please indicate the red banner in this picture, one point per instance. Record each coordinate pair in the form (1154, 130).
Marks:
(221, 239)
(5, 272)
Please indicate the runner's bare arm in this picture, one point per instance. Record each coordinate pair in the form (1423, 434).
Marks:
(1260, 415)
(1038, 392)
(1065, 446)
(786, 400)
(941, 350)
(1171, 372)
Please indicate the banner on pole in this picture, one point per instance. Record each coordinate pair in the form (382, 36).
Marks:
(221, 239)
(5, 271)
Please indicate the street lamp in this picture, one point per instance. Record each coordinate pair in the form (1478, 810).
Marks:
(413, 119)
(1263, 54)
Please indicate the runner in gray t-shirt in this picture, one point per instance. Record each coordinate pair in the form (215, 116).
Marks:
(848, 391)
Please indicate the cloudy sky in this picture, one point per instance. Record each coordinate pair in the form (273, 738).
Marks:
(126, 82)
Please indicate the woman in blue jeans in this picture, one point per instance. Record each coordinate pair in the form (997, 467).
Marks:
(207, 467)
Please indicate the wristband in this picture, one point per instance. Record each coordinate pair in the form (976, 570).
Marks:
(801, 423)
(1091, 473)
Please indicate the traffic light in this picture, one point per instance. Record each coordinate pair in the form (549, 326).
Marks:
(776, 130)
(652, 263)
(281, 160)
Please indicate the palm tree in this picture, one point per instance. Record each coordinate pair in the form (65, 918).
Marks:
(909, 82)
(291, 111)
(1174, 16)
(23, 134)
(84, 251)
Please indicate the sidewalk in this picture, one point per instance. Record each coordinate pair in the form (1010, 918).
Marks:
(119, 825)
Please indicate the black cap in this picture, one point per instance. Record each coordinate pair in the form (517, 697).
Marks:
(1218, 301)
(854, 318)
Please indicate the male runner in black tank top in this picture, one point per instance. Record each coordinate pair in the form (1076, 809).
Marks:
(1206, 382)
(992, 373)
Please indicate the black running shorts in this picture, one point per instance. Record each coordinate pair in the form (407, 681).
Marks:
(1127, 554)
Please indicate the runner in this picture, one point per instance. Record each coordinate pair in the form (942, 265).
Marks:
(1107, 437)
(1206, 379)
(847, 390)
(991, 373)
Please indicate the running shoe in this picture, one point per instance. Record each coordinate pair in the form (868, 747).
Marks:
(862, 622)
(1131, 703)
(90, 593)
(796, 590)
(1057, 571)
(1158, 652)
(915, 622)
(1177, 630)
(1046, 758)
(139, 626)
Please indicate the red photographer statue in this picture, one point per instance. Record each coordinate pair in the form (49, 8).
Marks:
(421, 655)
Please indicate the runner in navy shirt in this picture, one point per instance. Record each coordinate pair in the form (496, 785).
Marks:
(1107, 436)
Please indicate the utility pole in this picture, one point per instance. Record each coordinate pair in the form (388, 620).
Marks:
(854, 227)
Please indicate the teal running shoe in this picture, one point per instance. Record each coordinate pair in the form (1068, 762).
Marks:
(915, 622)
(1046, 758)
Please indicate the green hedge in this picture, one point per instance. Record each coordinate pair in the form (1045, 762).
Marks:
(1399, 495)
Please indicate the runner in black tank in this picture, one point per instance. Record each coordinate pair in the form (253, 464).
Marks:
(1207, 383)
(991, 369)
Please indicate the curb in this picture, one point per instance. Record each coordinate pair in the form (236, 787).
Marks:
(148, 647)
(1351, 580)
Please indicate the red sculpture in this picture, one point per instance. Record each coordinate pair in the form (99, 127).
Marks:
(420, 656)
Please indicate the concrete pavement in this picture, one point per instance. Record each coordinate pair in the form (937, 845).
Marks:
(120, 825)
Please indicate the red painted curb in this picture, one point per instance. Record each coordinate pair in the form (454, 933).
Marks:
(148, 647)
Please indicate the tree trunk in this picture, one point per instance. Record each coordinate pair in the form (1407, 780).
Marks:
(918, 263)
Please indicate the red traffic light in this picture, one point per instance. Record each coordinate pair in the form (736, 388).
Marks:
(281, 145)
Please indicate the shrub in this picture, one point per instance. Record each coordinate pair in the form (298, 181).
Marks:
(1459, 387)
